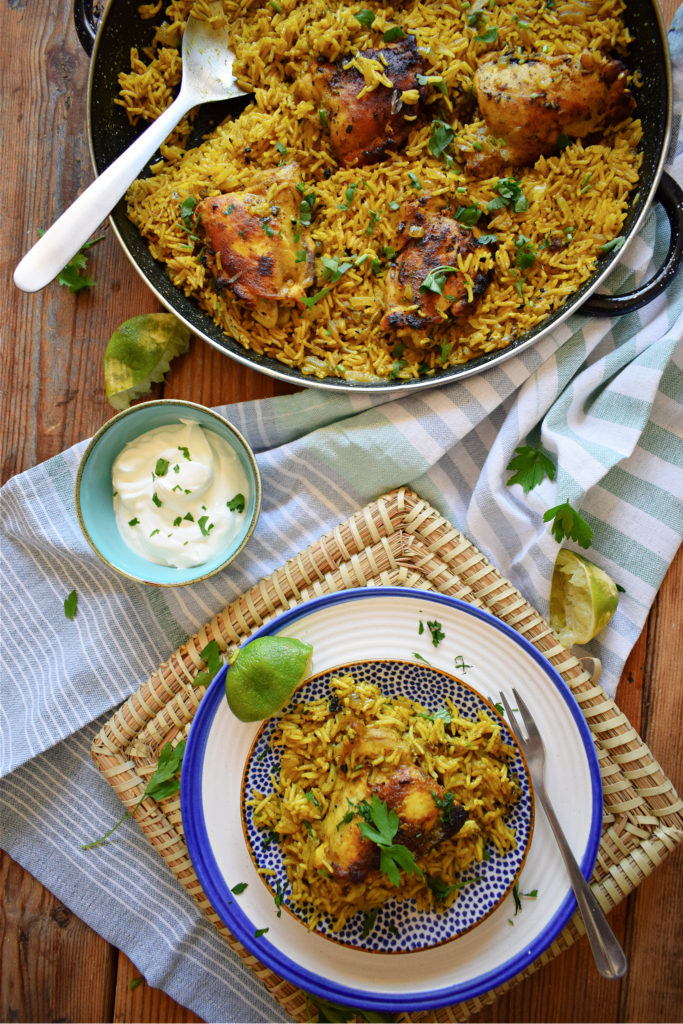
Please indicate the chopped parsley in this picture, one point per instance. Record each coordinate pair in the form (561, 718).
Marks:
(460, 663)
(349, 194)
(73, 275)
(489, 36)
(436, 632)
(526, 253)
(202, 521)
(440, 140)
(134, 522)
(239, 888)
(187, 208)
(435, 279)
(365, 17)
(468, 215)
(509, 194)
(211, 655)
(236, 504)
(71, 605)
(393, 35)
(414, 180)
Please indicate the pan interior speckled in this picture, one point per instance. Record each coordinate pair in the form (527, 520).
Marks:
(109, 133)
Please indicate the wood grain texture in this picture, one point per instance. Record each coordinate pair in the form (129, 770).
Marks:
(52, 967)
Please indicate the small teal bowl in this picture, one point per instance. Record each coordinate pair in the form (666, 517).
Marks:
(94, 498)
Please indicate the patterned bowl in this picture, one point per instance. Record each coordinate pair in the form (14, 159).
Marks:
(399, 927)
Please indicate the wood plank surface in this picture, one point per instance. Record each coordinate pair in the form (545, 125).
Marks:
(52, 966)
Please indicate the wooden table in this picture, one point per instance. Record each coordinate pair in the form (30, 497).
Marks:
(53, 967)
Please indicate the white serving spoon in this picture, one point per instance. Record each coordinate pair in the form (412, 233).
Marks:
(207, 76)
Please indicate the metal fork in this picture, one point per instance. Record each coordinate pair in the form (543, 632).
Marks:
(608, 954)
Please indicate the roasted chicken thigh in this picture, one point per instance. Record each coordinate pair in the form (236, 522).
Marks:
(530, 103)
(426, 814)
(256, 246)
(368, 121)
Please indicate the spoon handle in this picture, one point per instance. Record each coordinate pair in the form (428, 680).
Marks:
(68, 234)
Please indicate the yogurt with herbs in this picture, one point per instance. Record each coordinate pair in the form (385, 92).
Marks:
(180, 494)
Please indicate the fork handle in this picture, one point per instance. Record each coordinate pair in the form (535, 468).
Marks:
(610, 958)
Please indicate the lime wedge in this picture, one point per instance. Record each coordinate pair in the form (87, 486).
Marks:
(139, 353)
(583, 598)
(264, 675)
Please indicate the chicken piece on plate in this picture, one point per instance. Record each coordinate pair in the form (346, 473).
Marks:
(255, 243)
(368, 121)
(426, 815)
(530, 103)
(424, 285)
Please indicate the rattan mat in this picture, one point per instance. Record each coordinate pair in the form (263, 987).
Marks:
(398, 540)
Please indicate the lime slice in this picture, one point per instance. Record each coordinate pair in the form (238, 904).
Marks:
(264, 676)
(583, 598)
(139, 353)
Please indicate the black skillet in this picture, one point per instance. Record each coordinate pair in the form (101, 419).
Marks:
(108, 36)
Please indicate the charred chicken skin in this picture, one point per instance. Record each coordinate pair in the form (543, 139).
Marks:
(530, 103)
(426, 816)
(367, 123)
(430, 243)
(251, 243)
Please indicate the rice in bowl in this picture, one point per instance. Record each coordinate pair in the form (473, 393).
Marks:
(308, 761)
(573, 202)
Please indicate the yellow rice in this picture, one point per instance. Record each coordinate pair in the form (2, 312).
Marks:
(468, 758)
(579, 196)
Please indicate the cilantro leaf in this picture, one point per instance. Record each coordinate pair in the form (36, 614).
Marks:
(530, 466)
(567, 522)
(392, 35)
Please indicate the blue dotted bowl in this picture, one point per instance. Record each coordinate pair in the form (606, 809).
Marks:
(399, 927)
(94, 504)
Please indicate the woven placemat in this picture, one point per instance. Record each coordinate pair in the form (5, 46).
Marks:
(398, 540)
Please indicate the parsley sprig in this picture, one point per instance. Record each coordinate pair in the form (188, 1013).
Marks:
(380, 826)
(163, 783)
(531, 466)
(567, 522)
(74, 275)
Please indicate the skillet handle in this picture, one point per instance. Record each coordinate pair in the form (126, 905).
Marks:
(670, 195)
(86, 22)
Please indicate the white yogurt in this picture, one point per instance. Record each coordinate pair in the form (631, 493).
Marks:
(173, 491)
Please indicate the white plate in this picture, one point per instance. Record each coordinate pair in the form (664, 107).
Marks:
(383, 622)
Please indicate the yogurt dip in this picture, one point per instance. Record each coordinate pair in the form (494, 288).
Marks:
(179, 494)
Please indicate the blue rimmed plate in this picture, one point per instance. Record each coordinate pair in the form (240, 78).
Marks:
(399, 926)
(384, 623)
